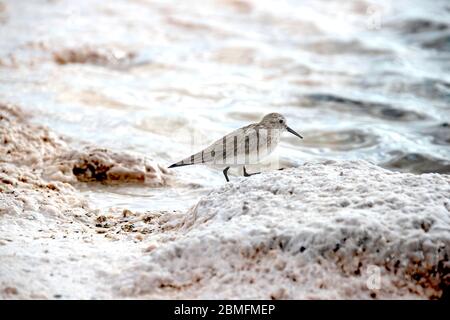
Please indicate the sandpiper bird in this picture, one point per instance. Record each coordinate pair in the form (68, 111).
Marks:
(247, 145)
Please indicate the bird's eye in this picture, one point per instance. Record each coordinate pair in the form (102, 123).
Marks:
(281, 121)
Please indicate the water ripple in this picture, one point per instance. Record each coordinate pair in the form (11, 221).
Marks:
(344, 140)
(379, 110)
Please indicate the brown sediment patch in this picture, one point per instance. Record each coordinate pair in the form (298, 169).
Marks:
(195, 26)
(10, 112)
(184, 92)
(240, 6)
(106, 166)
(295, 28)
(92, 99)
(95, 56)
(140, 224)
(189, 25)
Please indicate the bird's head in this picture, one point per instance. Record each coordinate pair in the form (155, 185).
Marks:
(277, 121)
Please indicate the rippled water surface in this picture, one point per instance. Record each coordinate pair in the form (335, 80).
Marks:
(358, 79)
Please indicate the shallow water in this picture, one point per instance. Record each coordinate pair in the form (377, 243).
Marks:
(359, 80)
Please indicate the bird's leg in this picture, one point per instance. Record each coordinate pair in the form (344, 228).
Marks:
(225, 171)
(249, 174)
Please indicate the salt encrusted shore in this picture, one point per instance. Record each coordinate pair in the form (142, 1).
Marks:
(53, 243)
(323, 230)
(346, 229)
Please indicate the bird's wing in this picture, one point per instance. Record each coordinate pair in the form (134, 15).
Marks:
(237, 147)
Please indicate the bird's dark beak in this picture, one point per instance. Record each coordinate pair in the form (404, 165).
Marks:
(293, 132)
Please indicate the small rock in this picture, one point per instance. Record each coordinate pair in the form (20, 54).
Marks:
(10, 290)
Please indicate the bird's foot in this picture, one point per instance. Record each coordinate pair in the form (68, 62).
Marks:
(225, 173)
(246, 174)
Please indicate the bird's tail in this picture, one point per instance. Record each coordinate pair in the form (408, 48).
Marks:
(199, 157)
(179, 164)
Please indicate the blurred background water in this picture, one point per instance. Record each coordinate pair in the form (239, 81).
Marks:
(358, 79)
